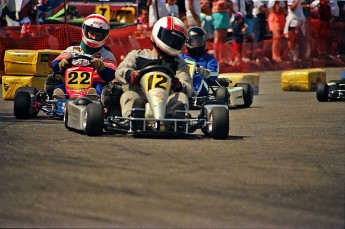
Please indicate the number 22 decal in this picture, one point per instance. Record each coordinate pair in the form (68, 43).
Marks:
(79, 78)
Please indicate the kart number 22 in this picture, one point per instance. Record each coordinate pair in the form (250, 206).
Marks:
(79, 79)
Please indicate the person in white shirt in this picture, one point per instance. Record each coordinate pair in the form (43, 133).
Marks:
(172, 8)
(193, 10)
(157, 10)
(294, 30)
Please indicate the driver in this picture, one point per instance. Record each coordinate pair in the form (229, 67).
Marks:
(207, 65)
(95, 30)
(168, 38)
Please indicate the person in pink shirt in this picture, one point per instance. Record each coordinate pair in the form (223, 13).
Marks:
(276, 23)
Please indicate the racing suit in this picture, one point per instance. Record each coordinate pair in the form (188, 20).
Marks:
(201, 81)
(136, 60)
(102, 53)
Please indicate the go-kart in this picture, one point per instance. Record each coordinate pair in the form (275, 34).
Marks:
(240, 95)
(334, 90)
(78, 79)
(150, 118)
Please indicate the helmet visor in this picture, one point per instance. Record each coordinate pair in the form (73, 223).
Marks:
(196, 41)
(171, 38)
(95, 33)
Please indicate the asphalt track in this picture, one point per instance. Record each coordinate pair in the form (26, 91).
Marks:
(282, 166)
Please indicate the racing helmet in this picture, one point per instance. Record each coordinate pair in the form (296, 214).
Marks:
(196, 41)
(168, 36)
(98, 25)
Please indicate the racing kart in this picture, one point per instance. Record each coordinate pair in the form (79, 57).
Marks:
(334, 90)
(150, 118)
(28, 101)
(239, 95)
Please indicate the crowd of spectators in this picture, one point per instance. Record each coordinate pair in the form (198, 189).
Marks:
(295, 29)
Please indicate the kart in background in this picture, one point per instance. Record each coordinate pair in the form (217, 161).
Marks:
(334, 90)
(28, 101)
(151, 119)
(239, 95)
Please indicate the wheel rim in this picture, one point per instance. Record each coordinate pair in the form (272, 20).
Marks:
(85, 120)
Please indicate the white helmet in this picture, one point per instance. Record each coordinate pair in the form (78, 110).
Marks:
(169, 35)
(98, 24)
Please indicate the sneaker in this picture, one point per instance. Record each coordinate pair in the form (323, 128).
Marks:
(59, 94)
(92, 94)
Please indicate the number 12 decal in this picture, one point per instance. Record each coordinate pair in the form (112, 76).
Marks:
(157, 81)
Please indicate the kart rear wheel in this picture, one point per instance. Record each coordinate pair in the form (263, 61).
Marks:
(322, 92)
(22, 105)
(248, 93)
(222, 94)
(94, 118)
(218, 123)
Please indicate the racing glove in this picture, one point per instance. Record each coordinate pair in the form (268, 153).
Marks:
(176, 85)
(97, 64)
(204, 72)
(63, 64)
(133, 77)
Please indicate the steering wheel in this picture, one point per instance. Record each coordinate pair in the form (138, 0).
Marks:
(79, 56)
(158, 68)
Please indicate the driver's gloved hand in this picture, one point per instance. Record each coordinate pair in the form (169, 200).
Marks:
(133, 77)
(63, 64)
(176, 85)
(204, 72)
(97, 64)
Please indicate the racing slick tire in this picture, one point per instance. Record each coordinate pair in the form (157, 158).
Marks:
(219, 118)
(22, 108)
(322, 92)
(222, 94)
(248, 93)
(22, 105)
(218, 123)
(94, 118)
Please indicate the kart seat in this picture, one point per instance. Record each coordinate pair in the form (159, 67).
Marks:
(224, 82)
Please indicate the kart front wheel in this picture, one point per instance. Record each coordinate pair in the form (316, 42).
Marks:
(94, 119)
(218, 123)
(322, 92)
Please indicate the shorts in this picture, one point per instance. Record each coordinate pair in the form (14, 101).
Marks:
(221, 20)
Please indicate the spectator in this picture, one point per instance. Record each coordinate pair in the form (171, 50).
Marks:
(248, 35)
(294, 30)
(172, 8)
(27, 29)
(276, 22)
(157, 10)
(239, 6)
(326, 21)
(221, 12)
(306, 11)
(143, 17)
(259, 27)
(193, 10)
(238, 33)
(206, 18)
